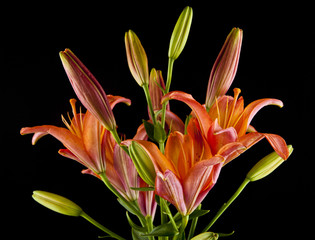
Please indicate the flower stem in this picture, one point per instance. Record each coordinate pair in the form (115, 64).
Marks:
(167, 87)
(149, 224)
(227, 204)
(149, 101)
(100, 226)
(121, 198)
(168, 212)
(193, 225)
(118, 140)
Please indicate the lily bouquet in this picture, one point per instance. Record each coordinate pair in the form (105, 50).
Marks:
(169, 164)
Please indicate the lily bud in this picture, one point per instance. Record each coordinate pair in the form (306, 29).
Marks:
(225, 66)
(88, 89)
(266, 166)
(57, 203)
(142, 162)
(156, 88)
(180, 33)
(206, 236)
(137, 58)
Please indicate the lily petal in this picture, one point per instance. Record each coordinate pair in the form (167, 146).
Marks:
(200, 180)
(126, 171)
(231, 151)
(113, 100)
(277, 142)
(69, 140)
(174, 122)
(93, 141)
(160, 162)
(251, 110)
(219, 137)
(170, 188)
(200, 112)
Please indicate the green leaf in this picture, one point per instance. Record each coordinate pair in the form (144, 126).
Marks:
(136, 235)
(159, 133)
(226, 234)
(135, 226)
(166, 229)
(128, 208)
(149, 128)
(198, 213)
(155, 132)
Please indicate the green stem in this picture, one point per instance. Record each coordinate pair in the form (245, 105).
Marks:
(118, 140)
(149, 101)
(168, 212)
(100, 226)
(167, 87)
(183, 226)
(163, 216)
(193, 225)
(121, 198)
(227, 204)
(149, 224)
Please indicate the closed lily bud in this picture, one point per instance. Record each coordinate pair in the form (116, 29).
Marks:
(142, 162)
(137, 58)
(266, 166)
(206, 236)
(88, 89)
(156, 88)
(180, 33)
(57, 203)
(225, 67)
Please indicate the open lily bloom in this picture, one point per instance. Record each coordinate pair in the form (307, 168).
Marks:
(228, 122)
(188, 170)
(85, 138)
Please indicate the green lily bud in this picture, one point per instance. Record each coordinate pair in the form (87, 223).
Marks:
(142, 162)
(266, 166)
(206, 236)
(137, 58)
(57, 203)
(180, 33)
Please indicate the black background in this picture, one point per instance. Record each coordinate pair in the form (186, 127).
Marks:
(277, 60)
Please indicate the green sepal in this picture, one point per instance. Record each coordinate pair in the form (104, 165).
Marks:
(166, 229)
(135, 226)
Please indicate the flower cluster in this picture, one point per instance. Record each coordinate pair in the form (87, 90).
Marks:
(168, 161)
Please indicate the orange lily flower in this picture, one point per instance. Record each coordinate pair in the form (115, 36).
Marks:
(228, 122)
(86, 139)
(188, 170)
